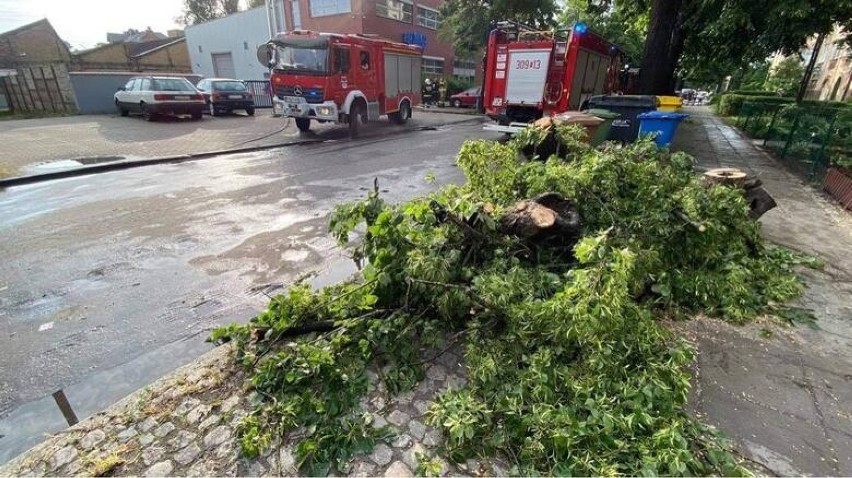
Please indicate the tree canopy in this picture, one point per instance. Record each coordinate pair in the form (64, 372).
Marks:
(200, 11)
(466, 22)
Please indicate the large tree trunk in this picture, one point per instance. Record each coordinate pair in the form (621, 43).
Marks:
(657, 71)
(809, 71)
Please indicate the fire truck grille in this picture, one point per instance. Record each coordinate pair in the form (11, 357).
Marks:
(313, 95)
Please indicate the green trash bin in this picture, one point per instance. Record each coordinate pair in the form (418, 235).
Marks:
(605, 127)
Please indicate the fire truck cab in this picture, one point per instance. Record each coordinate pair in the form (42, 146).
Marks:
(530, 74)
(350, 79)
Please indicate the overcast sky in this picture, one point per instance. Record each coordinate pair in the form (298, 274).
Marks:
(85, 23)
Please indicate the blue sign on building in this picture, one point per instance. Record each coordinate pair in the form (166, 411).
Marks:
(414, 38)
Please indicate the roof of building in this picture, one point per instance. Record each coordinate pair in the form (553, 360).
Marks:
(135, 50)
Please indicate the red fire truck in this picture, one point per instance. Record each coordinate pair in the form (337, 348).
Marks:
(530, 74)
(335, 78)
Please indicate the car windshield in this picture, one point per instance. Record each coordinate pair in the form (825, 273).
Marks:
(307, 60)
(229, 86)
(171, 84)
(473, 91)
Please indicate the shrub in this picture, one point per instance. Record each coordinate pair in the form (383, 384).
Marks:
(731, 104)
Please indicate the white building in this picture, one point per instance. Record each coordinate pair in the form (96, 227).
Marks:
(227, 47)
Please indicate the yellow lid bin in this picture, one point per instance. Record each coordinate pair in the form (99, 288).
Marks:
(669, 103)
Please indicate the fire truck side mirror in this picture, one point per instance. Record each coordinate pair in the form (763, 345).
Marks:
(267, 55)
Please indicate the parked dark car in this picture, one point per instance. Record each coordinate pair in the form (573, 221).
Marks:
(224, 95)
(466, 99)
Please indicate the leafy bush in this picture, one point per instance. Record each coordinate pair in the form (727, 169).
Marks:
(754, 93)
(569, 371)
(731, 104)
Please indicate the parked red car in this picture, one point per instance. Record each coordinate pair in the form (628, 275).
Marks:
(467, 98)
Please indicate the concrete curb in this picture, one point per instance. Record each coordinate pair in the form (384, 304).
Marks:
(181, 158)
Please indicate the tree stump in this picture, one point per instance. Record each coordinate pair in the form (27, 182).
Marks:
(545, 218)
(759, 201)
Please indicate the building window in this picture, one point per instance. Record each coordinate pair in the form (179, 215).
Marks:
(297, 15)
(321, 8)
(395, 9)
(426, 17)
(464, 68)
(433, 66)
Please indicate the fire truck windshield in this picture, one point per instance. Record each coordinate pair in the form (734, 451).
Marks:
(302, 59)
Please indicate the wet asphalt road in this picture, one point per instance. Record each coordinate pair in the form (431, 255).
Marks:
(110, 281)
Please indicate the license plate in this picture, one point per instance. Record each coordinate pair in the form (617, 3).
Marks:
(236, 97)
(181, 97)
(292, 99)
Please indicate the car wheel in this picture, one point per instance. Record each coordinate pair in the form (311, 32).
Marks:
(357, 117)
(196, 115)
(212, 109)
(303, 124)
(457, 103)
(250, 111)
(121, 111)
(403, 115)
(146, 114)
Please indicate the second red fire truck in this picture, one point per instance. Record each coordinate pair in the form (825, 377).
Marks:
(529, 74)
(350, 79)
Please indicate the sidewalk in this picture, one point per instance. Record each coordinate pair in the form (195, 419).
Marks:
(786, 400)
(38, 146)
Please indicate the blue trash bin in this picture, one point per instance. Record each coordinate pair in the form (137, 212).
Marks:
(661, 124)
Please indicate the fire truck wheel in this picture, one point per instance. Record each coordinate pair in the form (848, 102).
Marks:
(403, 115)
(357, 117)
(303, 124)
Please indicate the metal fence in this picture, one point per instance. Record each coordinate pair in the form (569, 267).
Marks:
(810, 139)
(261, 91)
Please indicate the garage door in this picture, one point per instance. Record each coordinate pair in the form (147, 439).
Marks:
(223, 65)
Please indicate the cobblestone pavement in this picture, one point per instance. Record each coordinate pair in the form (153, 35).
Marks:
(184, 425)
(36, 145)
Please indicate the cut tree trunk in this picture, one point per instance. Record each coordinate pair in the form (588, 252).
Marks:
(548, 218)
(759, 201)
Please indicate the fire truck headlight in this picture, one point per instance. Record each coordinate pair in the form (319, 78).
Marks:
(324, 111)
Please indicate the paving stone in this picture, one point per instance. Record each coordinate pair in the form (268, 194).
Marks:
(164, 429)
(455, 382)
(433, 438)
(187, 454)
(379, 402)
(163, 468)
(226, 450)
(127, 434)
(404, 398)
(91, 439)
(148, 424)
(379, 421)
(410, 455)
(200, 468)
(398, 469)
(197, 414)
(382, 454)
(217, 436)
(421, 406)
(417, 429)
(402, 441)
(209, 422)
(230, 403)
(254, 468)
(62, 457)
(182, 439)
(286, 461)
(152, 454)
(186, 405)
(363, 469)
(436, 372)
(73, 468)
(146, 439)
(398, 418)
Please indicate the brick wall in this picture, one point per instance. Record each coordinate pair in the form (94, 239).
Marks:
(33, 43)
(363, 19)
